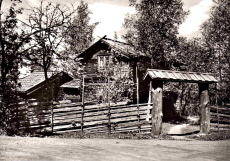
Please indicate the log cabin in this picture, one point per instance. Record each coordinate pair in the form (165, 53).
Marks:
(118, 61)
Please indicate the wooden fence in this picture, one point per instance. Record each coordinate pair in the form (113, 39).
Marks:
(31, 115)
(101, 118)
(220, 117)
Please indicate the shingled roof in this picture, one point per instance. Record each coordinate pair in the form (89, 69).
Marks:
(125, 49)
(37, 79)
(75, 83)
(121, 48)
(180, 76)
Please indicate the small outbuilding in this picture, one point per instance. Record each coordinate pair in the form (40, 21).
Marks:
(34, 86)
(156, 78)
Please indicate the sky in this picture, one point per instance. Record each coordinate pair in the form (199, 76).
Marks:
(110, 15)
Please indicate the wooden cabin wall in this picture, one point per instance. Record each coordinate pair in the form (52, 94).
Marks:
(118, 68)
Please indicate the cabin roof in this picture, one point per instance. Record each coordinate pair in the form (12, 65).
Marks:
(180, 76)
(121, 49)
(75, 83)
(36, 80)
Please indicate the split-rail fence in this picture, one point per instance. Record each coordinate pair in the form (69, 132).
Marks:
(32, 115)
(102, 118)
(220, 117)
(63, 116)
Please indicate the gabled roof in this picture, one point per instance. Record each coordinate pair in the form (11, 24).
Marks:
(75, 83)
(125, 49)
(36, 80)
(180, 76)
(121, 48)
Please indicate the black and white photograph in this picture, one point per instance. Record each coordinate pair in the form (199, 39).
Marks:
(114, 80)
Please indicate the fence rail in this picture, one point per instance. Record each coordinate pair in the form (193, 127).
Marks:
(220, 117)
(32, 115)
(100, 118)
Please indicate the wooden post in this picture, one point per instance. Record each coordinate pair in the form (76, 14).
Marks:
(51, 85)
(157, 98)
(83, 102)
(109, 108)
(52, 118)
(204, 108)
(138, 108)
(150, 93)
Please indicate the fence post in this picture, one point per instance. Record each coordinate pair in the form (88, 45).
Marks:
(218, 119)
(204, 108)
(52, 118)
(109, 110)
(83, 102)
(157, 98)
(138, 110)
(17, 113)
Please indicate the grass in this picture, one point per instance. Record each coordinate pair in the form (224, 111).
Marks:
(213, 136)
(124, 135)
(190, 132)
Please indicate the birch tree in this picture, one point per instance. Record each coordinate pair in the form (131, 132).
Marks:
(153, 29)
(216, 35)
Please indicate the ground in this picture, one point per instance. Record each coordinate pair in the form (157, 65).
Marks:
(33, 148)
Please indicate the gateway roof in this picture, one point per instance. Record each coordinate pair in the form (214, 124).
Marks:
(180, 76)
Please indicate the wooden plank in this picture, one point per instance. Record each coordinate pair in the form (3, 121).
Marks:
(34, 124)
(220, 107)
(105, 106)
(222, 112)
(66, 128)
(67, 113)
(100, 121)
(96, 108)
(116, 120)
(221, 125)
(92, 114)
(220, 121)
(66, 121)
(129, 109)
(118, 115)
(221, 115)
(144, 127)
(66, 110)
(67, 105)
(130, 124)
(73, 116)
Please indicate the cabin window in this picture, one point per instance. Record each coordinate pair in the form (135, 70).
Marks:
(103, 61)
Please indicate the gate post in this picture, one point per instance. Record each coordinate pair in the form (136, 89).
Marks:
(157, 94)
(204, 108)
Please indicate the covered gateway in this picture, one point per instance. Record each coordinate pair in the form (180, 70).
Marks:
(156, 78)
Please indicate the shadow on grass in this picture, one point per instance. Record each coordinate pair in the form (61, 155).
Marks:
(185, 134)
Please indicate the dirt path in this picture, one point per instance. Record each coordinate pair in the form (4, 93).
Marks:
(177, 130)
(27, 148)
